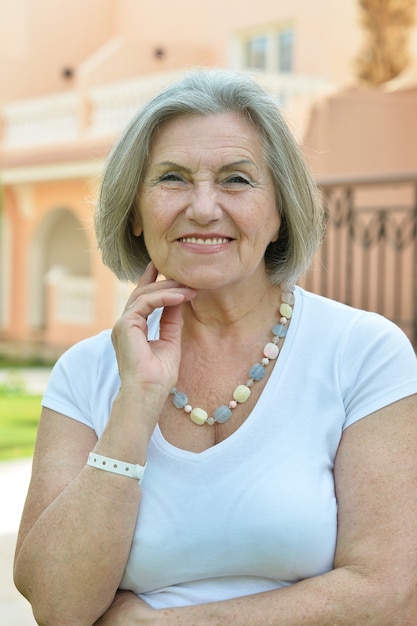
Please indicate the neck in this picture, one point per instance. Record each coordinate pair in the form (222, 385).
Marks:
(222, 312)
(257, 372)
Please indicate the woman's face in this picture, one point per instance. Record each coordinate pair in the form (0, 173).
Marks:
(207, 206)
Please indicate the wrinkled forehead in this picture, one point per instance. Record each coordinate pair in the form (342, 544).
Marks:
(191, 135)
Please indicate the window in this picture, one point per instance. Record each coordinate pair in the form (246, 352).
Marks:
(270, 50)
(256, 51)
(285, 50)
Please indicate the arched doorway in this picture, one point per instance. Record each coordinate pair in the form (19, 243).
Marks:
(60, 246)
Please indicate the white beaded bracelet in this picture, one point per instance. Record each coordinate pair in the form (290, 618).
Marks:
(116, 467)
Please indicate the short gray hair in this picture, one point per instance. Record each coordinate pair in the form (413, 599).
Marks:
(209, 92)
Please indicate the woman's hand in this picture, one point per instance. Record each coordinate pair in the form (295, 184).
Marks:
(151, 368)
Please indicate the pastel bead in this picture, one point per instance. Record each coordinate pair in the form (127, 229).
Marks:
(222, 414)
(285, 310)
(271, 350)
(198, 416)
(241, 393)
(179, 399)
(279, 330)
(257, 372)
(288, 298)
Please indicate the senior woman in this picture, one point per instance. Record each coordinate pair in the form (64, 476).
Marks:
(237, 450)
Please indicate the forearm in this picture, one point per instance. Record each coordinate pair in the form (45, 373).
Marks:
(308, 603)
(71, 563)
(72, 559)
(340, 598)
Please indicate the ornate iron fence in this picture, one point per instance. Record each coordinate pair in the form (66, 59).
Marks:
(369, 256)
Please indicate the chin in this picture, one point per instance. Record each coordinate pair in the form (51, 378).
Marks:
(204, 282)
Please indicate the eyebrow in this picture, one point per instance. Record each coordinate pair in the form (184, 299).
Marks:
(224, 168)
(231, 166)
(171, 164)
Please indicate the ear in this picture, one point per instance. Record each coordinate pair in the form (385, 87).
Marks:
(136, 224)
(275, 237)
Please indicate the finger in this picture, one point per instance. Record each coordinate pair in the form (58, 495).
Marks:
(171, 323)
(148, 283)
(145, 303)
(149, 275)
(135, 319)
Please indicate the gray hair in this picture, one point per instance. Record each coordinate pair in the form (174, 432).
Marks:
(209, 92)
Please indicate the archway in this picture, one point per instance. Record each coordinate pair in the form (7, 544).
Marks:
(61, 245)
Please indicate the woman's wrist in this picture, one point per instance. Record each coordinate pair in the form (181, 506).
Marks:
(135, 415)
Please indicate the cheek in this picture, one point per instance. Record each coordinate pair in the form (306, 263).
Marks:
(273, 219)
(143, 215)
(156, 228)
(159, 207)
(266, 213)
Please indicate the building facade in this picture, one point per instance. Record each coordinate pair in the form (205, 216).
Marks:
(73, 74)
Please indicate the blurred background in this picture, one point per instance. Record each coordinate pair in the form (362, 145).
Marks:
(72, 74)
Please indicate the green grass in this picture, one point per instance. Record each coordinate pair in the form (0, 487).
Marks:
(12, 361)
(19, 416)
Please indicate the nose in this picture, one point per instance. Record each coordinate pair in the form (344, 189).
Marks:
(203, 207)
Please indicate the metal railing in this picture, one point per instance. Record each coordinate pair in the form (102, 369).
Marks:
(369, 256)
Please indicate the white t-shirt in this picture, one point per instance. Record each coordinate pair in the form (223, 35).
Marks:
(257, 511)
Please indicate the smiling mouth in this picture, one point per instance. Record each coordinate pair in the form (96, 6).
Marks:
(205, 242)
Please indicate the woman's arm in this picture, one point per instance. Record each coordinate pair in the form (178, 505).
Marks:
(375, 576)
(78, 522)
(76, 528)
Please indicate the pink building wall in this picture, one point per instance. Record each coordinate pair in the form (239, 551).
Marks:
(363, 131)
(55, 130)
(109, 40)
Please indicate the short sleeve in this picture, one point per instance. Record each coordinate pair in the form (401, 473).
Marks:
(73, 382)
(377, 367)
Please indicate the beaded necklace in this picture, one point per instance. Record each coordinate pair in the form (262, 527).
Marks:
(257, 372)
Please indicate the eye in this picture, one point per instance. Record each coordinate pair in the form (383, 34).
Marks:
(171, 180)
(237, 180)
(170, 177)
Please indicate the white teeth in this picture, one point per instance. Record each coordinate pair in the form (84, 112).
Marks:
(205, 242)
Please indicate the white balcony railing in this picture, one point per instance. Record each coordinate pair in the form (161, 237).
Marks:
(113, 105)
(41, 121)
(103, 111)
(71, 299)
